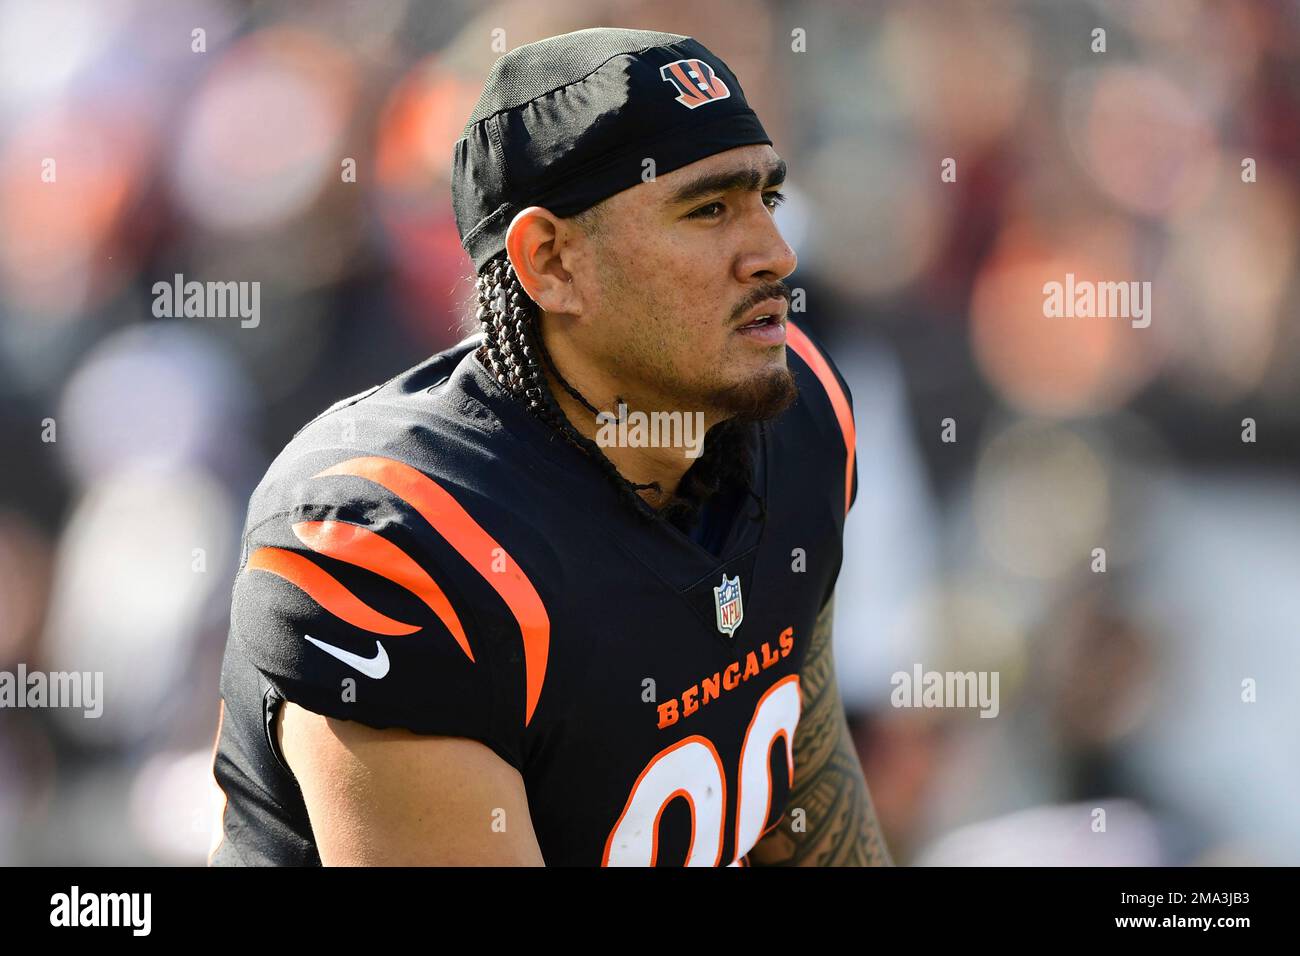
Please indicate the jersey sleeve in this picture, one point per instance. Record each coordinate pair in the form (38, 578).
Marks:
(366, 594)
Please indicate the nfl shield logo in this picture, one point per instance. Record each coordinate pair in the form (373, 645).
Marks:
(730, 611)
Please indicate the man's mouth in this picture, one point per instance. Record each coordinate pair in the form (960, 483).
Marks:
(765, 323)
(765, 313)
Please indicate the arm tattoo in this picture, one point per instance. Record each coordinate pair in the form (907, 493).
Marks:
(839, 825)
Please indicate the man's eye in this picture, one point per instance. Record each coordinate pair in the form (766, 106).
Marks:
(771, 200)
(702, 212)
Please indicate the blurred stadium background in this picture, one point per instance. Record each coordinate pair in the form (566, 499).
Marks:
(1120, 690)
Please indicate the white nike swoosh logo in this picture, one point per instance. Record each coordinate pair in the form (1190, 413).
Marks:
(375, 667)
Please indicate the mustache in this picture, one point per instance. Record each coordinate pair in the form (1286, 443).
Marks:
(772, 290)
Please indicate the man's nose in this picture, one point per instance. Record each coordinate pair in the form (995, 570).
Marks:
(768, 256)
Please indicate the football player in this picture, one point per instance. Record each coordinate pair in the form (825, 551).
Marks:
(485, 614)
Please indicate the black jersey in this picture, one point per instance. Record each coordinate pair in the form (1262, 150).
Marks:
(430, 555)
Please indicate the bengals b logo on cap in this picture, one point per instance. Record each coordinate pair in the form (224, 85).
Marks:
(696, 82)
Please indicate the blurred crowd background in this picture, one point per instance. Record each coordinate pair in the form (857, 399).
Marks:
(222, 156)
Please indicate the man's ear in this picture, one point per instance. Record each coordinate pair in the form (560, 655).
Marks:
(535, 244)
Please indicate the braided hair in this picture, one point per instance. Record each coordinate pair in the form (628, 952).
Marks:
(514, 353)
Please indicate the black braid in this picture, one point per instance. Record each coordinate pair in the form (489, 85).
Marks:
(511, 350)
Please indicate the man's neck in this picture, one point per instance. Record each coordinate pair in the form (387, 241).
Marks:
(638, 461)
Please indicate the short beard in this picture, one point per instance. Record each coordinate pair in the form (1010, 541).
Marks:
(758, 399)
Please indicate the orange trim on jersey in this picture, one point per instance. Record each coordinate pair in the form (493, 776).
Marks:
(814, 359)
(780, 734)
(436, 505)
(654, 837)
(654, 840)
(325, 590)
(362, 547)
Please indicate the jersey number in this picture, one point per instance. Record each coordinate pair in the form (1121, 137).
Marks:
(691, 768)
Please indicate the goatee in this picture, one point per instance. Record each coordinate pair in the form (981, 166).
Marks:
(764, 396)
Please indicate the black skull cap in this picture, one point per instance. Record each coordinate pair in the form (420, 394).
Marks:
(570, 120)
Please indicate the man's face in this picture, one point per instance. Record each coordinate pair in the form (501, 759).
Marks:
(676, 267)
